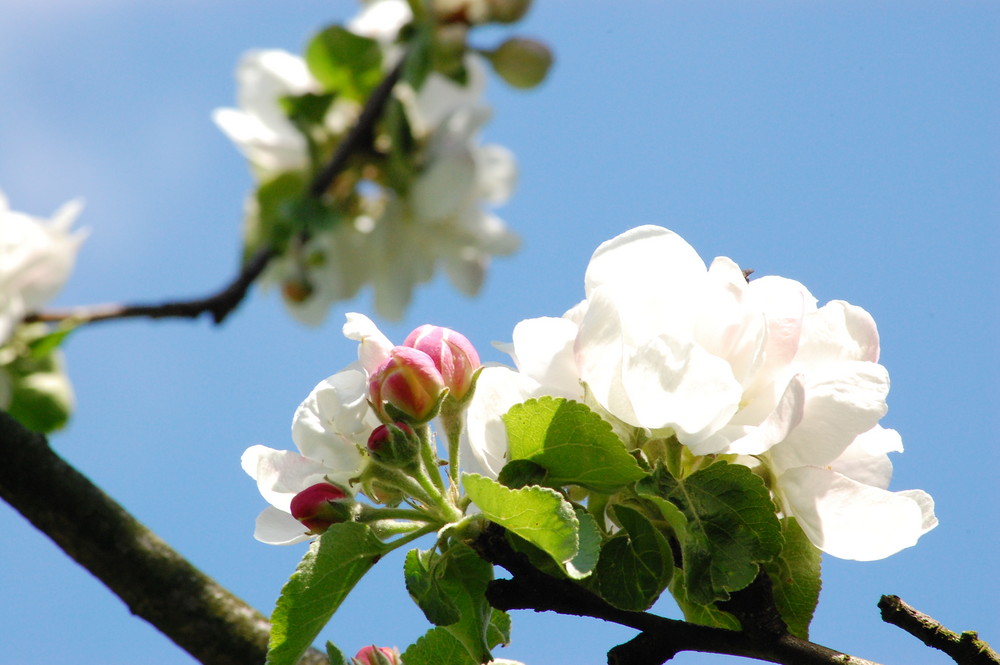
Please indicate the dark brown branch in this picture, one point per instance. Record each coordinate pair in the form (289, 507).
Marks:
(219, 305)
(660, 638)
(964, 648)
(154, 581)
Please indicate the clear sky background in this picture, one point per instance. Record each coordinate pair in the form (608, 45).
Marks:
(852, 145)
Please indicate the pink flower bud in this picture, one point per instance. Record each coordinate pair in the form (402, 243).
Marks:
(394, 445)
(319, 506)
(453, 355)
(373, 655)
(406, 386)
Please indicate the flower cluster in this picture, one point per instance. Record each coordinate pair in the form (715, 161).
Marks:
(393, 218)
(669, 349)
(367, 426)
(36, 258)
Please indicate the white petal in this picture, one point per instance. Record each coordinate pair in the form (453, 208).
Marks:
(842, 401)
(775, 428)
(333, 422)
(866, 461)
(496, 173)
(374, 346)
(838, 331)
(484, 446)
(646, 257)
(445, 184)
(276, 527)
(543, 349)
(851, 520)
(381, 20)
(281, 474)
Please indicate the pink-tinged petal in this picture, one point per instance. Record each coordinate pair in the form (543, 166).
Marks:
(373, 346)
(776, 426)
(838, 331)
(281, 474)
(851, 520)
(484, 444)
(276, 527)
(783, 302)
(866, 461)
(333, 421)
(646, 257)
(543, 351)
(842, 401)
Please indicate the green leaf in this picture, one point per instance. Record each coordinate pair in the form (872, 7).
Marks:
(277, 200)
(329, 570)
(41, 401)
(334, 655)
(585, 561)
(307, 109)
(538, 514)
(795, 578)
(437, 647)
(731, 527)
(705, 615)
(419, 56)
(575, 445)
(344, 62)
(43, 346)
(498, 632)
(521, 473)
(635, 566)
(422, 574)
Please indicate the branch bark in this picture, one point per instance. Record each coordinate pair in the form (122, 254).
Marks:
(154, 581)
(964, 648)
(660, 638)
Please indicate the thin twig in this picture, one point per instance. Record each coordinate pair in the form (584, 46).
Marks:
(154, 581)
(964, 648)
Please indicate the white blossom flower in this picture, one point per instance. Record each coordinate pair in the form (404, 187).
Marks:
(667, 345)
(330, 429)
(36, 258)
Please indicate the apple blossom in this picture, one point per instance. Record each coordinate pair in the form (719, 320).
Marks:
(671, 347)
(330, 429)
(406, 385)
(36, 258)
(373, 655)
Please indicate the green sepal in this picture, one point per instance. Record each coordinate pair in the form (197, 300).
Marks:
(731, 527)
(331, 567)
(345, 63)
(334, 655)
(795, 578)
(636, 565)
(572, 443)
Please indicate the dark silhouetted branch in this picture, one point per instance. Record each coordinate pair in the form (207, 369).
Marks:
(964, 648)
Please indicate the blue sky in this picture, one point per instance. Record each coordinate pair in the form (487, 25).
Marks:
(853, 146)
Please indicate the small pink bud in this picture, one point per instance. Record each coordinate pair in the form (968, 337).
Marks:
(373, 655)
(319, 506)
(395, 444)
(453, 355)
(406, 386)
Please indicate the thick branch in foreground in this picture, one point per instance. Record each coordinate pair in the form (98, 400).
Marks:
(156, 583)
(964, 648)
(660, 638)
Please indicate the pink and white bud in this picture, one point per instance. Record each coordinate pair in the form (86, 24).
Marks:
(406, 386)
(320, 506)
(373, 655)
(453, 355)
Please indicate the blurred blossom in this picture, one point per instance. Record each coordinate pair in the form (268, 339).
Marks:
(667, 345)
(36, 258)
(392, 236)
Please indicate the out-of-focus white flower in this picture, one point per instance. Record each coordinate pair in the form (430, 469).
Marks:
(36, 258)
(330, 429)
(667, 345)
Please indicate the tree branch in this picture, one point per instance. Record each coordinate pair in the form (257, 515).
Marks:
(154, 581)
(965, 648)
(660, 638)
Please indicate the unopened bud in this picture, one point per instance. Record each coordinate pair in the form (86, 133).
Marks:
(523, 63)
(321, 505)
(508, 11)
(406, 386)
(394, 444)
(373, 655)
(453, 355)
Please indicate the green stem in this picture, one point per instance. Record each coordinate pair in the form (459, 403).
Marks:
(409, 538)
(452, 417)
(428, 455)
